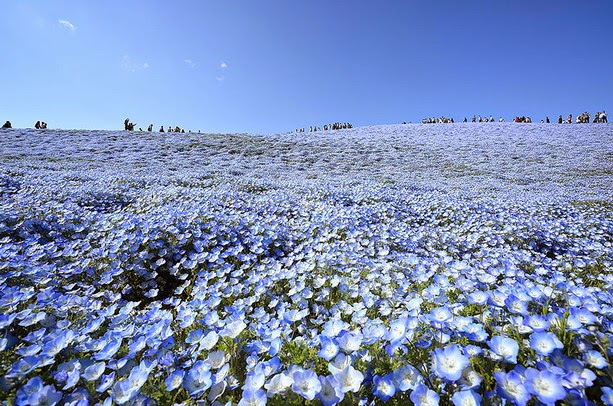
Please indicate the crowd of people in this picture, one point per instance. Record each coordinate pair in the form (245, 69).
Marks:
(583, 118)
(326, 127)
(129, 126)
(435, 120)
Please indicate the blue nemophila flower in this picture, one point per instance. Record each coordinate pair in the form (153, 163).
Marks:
(397, 330)
(407, 378)
(57, 344)
(33, 318)
(252, 360)
(584, 316)
(466, 398)
(384, 387)
(127, 389)
(222, 373)
(94, 371)
(32, 386)
(607, 395)
(333, 327)
(478, 297)
(255, 379)
(109, 350)
(198, 379)
(174, 380)
(544, 343)
(595, 359)
(79, 397)
(339, 363)
(423, 396)
(279, 383)
(270, 367)
(209, 340)
(105, 382)
(253, 397)
(216, 359)
(476, 332)
(373, 331)
(46, 396)
(440, 315)
(577, 376)
(349, 379)
(349, 341)
(233, 329)
(537, 322)
(217, 390)
(330, 393)
(504, 347)
(306, 384)
(470, 379)
(68, 373)
(545, 385)
(510, 386)
(516, 305)
(329, 348)
(448, 363)
(24, 366)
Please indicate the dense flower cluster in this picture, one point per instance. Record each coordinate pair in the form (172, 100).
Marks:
(391, 264)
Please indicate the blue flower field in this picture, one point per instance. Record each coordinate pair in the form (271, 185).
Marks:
(445, 264)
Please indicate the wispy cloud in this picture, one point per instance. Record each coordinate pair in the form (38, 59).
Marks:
(130, 65)
(67, 24)
(222, 68)
(190, 63)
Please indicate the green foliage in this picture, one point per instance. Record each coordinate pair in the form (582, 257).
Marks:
(472, 310)
(304, 355)
(592, 274)
(486, 367)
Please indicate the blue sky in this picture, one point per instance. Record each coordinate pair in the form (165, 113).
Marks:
(265, 66)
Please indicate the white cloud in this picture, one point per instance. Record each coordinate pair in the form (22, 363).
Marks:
(220, 78)
(190, 63)
(130, 65)
(67, 24)
(223, 65)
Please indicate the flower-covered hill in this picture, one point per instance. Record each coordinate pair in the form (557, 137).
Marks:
(441, 263)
